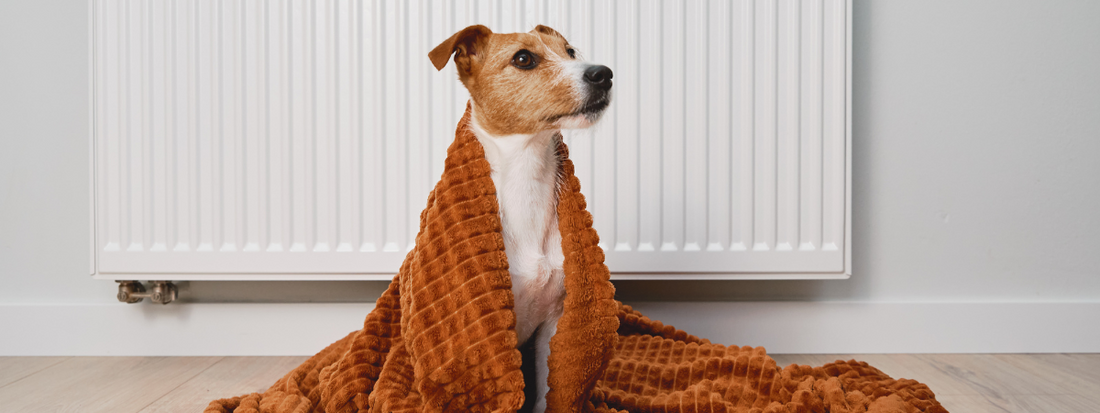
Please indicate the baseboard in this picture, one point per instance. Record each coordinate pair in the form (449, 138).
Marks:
(267, 329)
(781, 327)
(875, 328)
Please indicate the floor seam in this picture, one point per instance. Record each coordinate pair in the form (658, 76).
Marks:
(220, 359)
(37, 371)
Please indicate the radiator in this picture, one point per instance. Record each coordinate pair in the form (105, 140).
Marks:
(287, 139)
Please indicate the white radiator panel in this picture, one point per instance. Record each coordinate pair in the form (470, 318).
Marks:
(299, 139)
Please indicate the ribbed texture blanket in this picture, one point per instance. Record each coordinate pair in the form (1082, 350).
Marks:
(442, 337)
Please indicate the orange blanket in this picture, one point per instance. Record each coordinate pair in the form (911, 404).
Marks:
(442, 337)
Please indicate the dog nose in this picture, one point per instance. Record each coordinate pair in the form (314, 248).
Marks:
(599, 76)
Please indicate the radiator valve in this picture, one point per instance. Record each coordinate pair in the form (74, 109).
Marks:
(132, 292)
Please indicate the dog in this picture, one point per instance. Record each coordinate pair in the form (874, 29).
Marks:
(524, 89)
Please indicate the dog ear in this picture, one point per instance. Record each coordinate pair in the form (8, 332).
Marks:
(466, 43)
(547, 31)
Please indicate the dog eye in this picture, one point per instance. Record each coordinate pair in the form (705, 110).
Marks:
(572, 53)
(525, 60)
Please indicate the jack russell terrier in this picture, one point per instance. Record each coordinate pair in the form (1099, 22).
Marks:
(524, 89)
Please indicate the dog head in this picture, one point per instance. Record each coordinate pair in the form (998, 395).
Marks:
(524, 83)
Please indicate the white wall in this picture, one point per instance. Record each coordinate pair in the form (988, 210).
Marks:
(976, 197)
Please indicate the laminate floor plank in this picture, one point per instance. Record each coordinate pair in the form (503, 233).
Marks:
(993, 376)
(1084, 366)
(976, 403)
(1017, 404)
(1056, 404)
(13, 369)
(232, 376)
(1081, 382)
(101, 384)
(1048, 383)
(940, 378)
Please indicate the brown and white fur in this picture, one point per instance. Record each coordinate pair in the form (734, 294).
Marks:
(524, 89)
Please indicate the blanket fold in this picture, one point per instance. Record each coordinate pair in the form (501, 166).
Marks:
(442, 337)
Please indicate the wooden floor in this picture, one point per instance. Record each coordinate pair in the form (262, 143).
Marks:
(971, 383)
